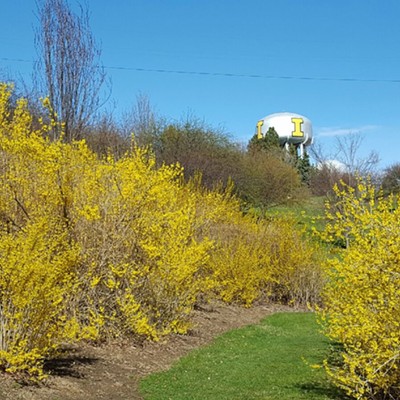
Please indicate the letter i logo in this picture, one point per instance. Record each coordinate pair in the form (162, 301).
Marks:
(297, 132)
(259, 125)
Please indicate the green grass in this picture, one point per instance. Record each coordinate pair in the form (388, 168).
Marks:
(270, 360)
(310, 212)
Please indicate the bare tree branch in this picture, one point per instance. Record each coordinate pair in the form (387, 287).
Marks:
(68, 70)
(348, 148)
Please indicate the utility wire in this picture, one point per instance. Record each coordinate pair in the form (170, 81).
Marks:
(287, 77)
(15, 60)
(234, 75)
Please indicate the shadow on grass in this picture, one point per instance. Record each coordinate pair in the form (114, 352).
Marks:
(323, 389)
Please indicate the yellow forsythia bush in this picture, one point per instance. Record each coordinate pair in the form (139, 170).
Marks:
(295, 261)
(89, 247)
(141, 253)
(38, 258)
(362, 300)
(37, 276)
(96, 248)
(257, 259)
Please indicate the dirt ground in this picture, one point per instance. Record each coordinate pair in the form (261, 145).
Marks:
(112, 372)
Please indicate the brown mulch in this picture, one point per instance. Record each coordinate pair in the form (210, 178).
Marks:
(113, 371)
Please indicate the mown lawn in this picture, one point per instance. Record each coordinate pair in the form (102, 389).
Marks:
(270, 360)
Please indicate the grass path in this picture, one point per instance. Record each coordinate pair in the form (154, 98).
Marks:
(265, 361)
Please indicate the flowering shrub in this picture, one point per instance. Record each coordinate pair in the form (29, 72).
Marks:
(257, 259)
(96, 248)
(89, 247)
(362, 299)
(38, 259)
(146, 259)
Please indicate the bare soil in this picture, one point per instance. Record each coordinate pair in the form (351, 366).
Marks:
(113, 371)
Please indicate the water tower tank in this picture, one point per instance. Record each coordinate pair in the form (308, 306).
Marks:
(291, 128)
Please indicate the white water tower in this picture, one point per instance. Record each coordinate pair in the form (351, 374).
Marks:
(291, 128)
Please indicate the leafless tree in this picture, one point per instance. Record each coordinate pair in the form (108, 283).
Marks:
(68, 69)
(343, 162)
(143, 122)
(347, 152)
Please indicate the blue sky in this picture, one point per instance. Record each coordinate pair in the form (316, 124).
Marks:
(337, 62)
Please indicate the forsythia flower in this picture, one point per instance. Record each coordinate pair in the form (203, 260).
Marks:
(362, 299)
(95, 247)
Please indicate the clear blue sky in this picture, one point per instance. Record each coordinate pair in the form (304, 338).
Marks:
(349, 51)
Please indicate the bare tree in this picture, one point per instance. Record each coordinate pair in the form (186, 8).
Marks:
(68, 70)
(317, 152)
(343, 162)
(390, 179)
(143, 122)
(347, 151)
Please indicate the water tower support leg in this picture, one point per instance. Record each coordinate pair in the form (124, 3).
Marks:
(301, 150)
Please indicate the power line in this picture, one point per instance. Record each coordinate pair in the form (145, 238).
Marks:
(15, 60)
(258, 76)
(235, 75)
